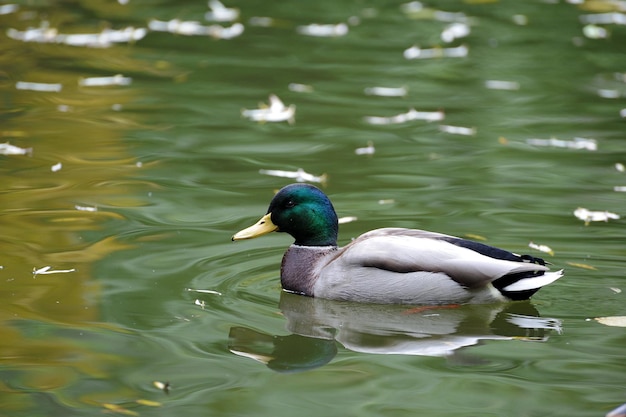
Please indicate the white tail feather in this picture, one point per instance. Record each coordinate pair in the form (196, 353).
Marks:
(532, 283)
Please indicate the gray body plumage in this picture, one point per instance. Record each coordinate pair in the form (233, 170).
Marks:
(404, 266)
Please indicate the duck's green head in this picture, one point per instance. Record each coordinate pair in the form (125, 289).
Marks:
(301, 210)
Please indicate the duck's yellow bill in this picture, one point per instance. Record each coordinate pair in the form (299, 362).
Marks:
(260, 228)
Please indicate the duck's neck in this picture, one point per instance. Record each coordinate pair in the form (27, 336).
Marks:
(301, 267)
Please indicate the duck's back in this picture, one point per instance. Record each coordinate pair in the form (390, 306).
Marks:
(418, 267)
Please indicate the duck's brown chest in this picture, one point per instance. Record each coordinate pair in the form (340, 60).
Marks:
(301, 266)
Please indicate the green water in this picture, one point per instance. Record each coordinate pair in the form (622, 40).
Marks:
(157, 175)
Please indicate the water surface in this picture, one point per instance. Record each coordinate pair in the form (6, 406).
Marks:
(157, 173)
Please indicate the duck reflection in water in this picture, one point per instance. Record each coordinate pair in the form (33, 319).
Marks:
(316, 325)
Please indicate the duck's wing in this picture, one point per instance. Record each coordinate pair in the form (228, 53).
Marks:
(481, 248)
(470, 264)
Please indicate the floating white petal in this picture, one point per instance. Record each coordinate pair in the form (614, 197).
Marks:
(541, 248)
(300, 88)
(415, 52)
(300, 175)
(455, 31)
(501, 85)
(577, 143)
(276, 111)
(458, 130)
(45, 87)
(8, 8)
(221, 13)
(8, 149)
(412, 114)
(604, 18)
(368, 150)
(595, 32)
(118, 79)
(205, 291)
(86, 208)
(387, 91)
(193, 28)
(315, 29)
(45, 34)
(46, 270)
(347, 219)
(594, 216)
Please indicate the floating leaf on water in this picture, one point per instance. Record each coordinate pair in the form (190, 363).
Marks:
(387, 91)
(315, 29)
(520, 19)
(300, 175)
(595, 32)
(205, 291)
(86, 208)
(300, 88)
(412, 7)
(45, 34)
(149, 403)
(261, 21)
(412, 114)
(347, 219)
(458, 130)
(220, 32)
(220, 13)
(40, 270)
(164, 386)
(501, 85)
(604, 18)
(276, 111)
(594, 216)
(368, 150)
(119, 409)
(416, 10)
(8, 8)
(613, 321)
(455, 31)
(576, 143)
(47, 270)
(8, 149)
(415, 52)
(193, 28)
(608, 93)
(541, 248)
(583, 266)
(43, 87)
(117, 79)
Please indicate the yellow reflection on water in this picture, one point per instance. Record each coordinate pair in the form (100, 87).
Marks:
(59, 205)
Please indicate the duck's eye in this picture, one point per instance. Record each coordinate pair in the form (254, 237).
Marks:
(290, 204)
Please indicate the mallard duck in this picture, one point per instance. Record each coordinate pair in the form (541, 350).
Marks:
(390, 265)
